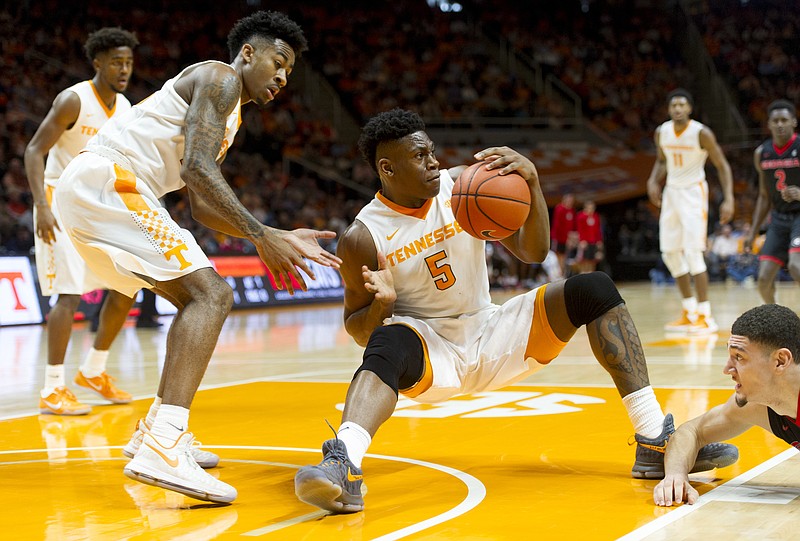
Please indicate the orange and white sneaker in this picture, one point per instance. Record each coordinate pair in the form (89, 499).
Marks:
(172, 466)
(704, 325)
(62, 402)
(104, 386)
(682, 324)
(204, 459)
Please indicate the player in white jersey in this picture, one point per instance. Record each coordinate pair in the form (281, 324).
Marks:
(109, 202)
(683, 145)
(76, 115)
(417, 297)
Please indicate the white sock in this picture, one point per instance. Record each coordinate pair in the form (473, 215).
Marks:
(644, 412)
(690, 305)
(151, 414)
(357, 441)
(53, 377)
(704, 308)
(94, 364)
(170, 423)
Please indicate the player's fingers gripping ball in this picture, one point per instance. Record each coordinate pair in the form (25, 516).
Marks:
(490, 206)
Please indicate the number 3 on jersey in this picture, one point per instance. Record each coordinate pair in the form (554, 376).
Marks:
(441, 272)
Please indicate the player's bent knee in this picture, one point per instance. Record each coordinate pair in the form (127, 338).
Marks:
(70, 302)
(675, 263)
(695, 261)
(589, 296)
(394, 353)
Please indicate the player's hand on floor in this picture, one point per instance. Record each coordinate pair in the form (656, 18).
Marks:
(674, 489)
(380, 281)
(508, 160)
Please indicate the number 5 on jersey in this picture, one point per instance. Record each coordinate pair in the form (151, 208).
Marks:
(441, 272)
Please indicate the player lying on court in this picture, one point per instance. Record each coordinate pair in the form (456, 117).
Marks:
(430, 329)
(764, 363)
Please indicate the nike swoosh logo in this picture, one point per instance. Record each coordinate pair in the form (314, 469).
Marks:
(390, 237)
(171, 461)
(93, 386)
(488, 233)
(57, 406)
(352, 478)
(180, 429)
(657, 448)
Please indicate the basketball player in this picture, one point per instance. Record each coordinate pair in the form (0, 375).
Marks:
(777, 161)
(75, 116)
(109, 200)
(764, 363)
(417, 296)
(683, 145)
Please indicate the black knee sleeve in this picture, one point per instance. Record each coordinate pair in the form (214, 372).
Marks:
(394, 354)
(589, 296)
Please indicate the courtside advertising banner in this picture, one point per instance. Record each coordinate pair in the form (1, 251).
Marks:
(19, 299)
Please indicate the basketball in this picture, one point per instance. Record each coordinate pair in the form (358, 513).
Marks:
(490, 206)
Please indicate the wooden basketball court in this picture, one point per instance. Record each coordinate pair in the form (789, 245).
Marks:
(545, 459)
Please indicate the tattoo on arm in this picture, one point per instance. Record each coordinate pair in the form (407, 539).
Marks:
(617, 347)
(205, 130)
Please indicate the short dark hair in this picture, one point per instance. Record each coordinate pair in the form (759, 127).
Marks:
(771, 325)
(106, 39)
(269, 25)
(682, 92)
(387, 126)
(781, 104)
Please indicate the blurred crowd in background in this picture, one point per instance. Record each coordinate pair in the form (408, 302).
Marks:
(620, 58)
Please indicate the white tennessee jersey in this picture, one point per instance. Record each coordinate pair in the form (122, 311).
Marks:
(91, 118)
(151, 137)
(439, 270)
(686, 159)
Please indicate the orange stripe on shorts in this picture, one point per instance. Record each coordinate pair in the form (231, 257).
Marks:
(125, 184)
(424, 383)
(543, 344)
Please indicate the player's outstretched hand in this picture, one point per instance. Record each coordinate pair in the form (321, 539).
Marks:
(509, 160)
(674, 489)
(306, 242)
(283, 252)
(380, 281)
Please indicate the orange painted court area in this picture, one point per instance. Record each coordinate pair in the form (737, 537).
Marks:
(523, 462)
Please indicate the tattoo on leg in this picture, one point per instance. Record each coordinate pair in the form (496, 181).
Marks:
(616, 345)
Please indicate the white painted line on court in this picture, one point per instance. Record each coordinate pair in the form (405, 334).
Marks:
(721, 493)
(285, 524)
(476, 491)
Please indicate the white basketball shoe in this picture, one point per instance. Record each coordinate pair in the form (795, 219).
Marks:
(204, 459)
(173, 467)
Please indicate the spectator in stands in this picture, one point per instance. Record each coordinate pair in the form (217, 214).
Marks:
(563, 223)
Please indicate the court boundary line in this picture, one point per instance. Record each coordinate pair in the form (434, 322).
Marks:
(715, 494)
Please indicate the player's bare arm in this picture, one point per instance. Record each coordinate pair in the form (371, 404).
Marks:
(655, 183)
(531, 242)
(720, 423)
(763, 203)
(369, 293)
(214, 90)
(708, 141)
(61, 116)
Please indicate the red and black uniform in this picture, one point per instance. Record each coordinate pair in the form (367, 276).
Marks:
(785, 427)
(781, 168)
